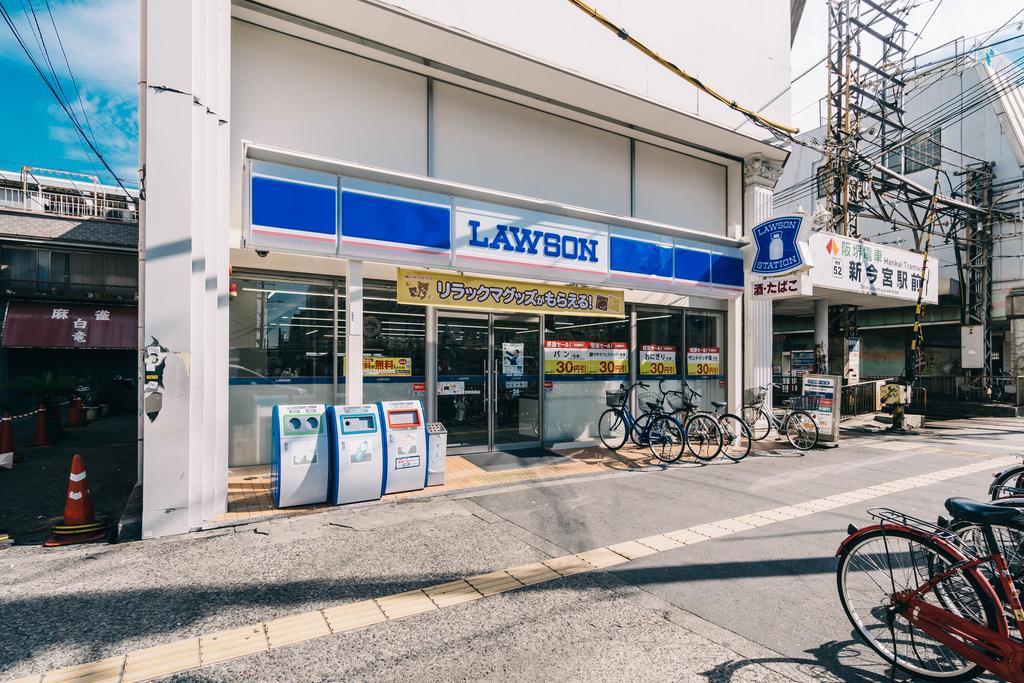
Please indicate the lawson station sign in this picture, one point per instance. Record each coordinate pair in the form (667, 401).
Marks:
(298, 210)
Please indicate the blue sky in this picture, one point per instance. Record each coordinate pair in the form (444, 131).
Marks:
(101, 38)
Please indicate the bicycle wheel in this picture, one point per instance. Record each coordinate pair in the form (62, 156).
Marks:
(665, 438)
(1009, 537)
(758, 421)
(703, 437)
(736, 439)
(885, 562)
(1011, 478)
(638, 434)
(612, 428)
(801, 430)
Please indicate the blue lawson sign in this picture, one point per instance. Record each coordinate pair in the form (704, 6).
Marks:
(778, 247)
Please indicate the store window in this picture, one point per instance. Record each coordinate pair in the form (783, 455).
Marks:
(583, 358)
(394, 343)
(659, 338)
(705, 369)
(281, 351)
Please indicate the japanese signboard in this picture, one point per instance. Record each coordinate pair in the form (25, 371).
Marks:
(802, 361)
(585, 358)
(703, 361)
(779, 244)
(870, 268)
(657, 359)
(70, 326)
(826, 388)
(383, 366)
(795, 284)
(453, 290)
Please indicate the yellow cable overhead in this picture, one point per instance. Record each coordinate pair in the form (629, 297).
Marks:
(692, 80)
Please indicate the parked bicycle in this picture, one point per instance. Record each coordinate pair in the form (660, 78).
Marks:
(735, 436)
(655, 429)
(796, 423)
(929, 603)
(1008, 482)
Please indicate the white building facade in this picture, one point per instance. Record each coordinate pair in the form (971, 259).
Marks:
(502, 211)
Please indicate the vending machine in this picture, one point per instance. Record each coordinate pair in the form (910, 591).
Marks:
(405, 446)
(299, 455)
(357, 456)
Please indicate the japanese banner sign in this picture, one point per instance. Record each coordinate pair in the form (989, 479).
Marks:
(453, 290)
(382, 366)
(781, 287)
(585, 358)
(70, 326)
(870, 268)
(702, 361)
(657, 359)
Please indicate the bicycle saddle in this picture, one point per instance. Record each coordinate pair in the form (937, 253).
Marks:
(651, 405)
(980, 513)
(718, 404)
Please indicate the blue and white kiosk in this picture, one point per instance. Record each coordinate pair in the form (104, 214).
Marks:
(405, 445)
(299, 455)
(357, 456)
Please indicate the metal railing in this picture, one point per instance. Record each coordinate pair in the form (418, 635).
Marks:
(69, 290)
(859, 399)
(71, 205)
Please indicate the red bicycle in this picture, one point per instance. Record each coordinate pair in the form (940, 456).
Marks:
(929, 603)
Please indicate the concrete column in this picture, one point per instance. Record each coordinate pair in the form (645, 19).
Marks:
(184, 189)
(821, 326)
(354, 333)
(759, 178)
(430, 371)
(1016, 339)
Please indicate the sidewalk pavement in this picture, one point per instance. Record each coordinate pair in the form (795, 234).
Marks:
(113, 599)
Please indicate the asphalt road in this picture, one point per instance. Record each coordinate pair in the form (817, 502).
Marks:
(758, 605)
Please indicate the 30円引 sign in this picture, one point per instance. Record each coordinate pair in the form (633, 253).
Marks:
(657, 359)
(703, 361)
(452, 290)
(585, 358)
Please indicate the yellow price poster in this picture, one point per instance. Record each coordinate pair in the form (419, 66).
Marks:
(385, 366)
(453, 290)
(703, 361)
(657, 359)
(585, 358)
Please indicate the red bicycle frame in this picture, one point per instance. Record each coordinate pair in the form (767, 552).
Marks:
(993, 649)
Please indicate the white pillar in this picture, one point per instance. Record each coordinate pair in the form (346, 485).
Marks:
(1016, 347)
(354, 333)
(759, 178)
(183, 149)
(821, 327)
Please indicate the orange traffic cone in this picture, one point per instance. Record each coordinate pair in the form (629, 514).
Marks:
(41, 437)
(80, 524)
(76, 414)
(6, 442)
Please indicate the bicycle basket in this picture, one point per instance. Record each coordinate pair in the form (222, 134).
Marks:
(675, 401)
(806, 402)
(615, 399)
(646, 398)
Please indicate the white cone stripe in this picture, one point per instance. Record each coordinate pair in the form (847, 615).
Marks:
(78, 477)
(74, 495)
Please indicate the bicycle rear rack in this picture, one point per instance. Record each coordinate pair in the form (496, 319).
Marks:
(1011, 491)
(903, 519)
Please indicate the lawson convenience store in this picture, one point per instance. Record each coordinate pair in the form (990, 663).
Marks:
(509, 317)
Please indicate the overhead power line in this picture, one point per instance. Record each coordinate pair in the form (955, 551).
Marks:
(54, 90)
(692, 80)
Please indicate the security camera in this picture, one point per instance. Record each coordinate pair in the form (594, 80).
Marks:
(262, 253)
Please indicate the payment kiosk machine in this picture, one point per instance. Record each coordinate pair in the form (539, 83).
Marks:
(405, 439)
(357, 459)
(299, 455)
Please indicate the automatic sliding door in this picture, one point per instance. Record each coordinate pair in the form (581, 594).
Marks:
(516, 369)
(462, 386)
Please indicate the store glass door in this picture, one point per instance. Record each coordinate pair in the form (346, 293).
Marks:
(488, 380)
(516, 387)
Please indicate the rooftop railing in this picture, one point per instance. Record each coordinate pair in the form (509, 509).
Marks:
(70, 205)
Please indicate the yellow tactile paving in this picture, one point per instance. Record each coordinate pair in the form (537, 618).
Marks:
(162, 660)
(494, 583)
(601, 558)
(567, 565)
(108, 669)
(296, 628)
(232, 643)
(452, 593)
(27, 679)
(354, 615)
(631, 550)
(535, 572)
(188, 654)
(406, 604)
(659, 542)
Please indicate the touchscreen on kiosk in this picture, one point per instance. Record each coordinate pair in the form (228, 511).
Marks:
(403, 419)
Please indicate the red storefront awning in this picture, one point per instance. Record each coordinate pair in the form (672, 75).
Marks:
(35, 324)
